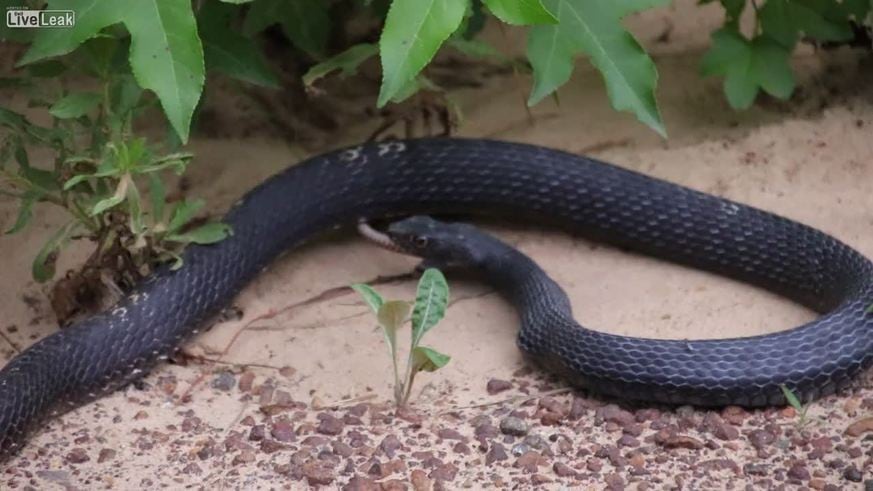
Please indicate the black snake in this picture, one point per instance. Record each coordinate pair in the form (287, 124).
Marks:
(518, 182)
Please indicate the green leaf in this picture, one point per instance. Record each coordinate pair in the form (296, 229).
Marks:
(157, 196)
(784, 20)
(431, 301)
(305, 22)
(114, 200)
(19, 123)
(413, 32)
(748, 66)
(371, 296)
(237, 2)
(46, 69)
(165, 54)
(791, 398)
(43, 268)
(477, 49)
(428, 359)
(594, 27)
(25, 211)
(209, 233)
(74, 105)
(520, 12)
(229, 52)
(134, 209)
(348, 61)
(391, 316)
(183, 213)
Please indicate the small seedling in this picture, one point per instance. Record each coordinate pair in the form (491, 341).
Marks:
(794, 402)
(431, 301)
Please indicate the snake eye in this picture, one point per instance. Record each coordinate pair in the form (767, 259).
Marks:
(420, 242)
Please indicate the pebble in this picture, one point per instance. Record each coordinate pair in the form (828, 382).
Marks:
(317, 474)
(529, 462)
(224, 381)
(761, 438)
(389, 446)
(444, 472)
(851, 473)
(496, 386)
(329, 425)
(860, 427)
(628, 441)
(563, 470)
(282, 431)
(798, 471)
(106, 454)
(450, 434)
(495, 454)
(614, 481)
(78, 455)
(245, 381)
(361, 483)
(420, 481)
(611, 413)
(511, 425)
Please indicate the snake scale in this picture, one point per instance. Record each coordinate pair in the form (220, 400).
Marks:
(517, 182)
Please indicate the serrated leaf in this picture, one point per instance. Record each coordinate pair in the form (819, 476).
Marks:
(426, 359)
(74, 105)
(348, 62)
(431, 301)
(229, 52)
(371, 296)
(594, 27)
(784, 20)
(183, 213)
(520, 12)
(165, 54)
(43, 267)
(748, 66)
(414, 30)
(209, 233)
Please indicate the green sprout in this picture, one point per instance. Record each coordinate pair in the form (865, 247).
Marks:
(431, 301)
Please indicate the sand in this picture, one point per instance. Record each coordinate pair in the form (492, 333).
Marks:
(807, 159)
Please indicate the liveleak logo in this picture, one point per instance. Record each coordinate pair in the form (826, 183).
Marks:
(40, 18)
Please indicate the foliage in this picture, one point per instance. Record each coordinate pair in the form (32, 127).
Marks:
(795, 403)
(430, 305)
(101, 170)
(760, 60)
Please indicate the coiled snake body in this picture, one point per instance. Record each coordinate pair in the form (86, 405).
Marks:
(515, 181)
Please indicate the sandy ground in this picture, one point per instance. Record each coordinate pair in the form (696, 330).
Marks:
(296, 390)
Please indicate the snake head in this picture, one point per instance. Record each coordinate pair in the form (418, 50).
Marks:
(440, 244)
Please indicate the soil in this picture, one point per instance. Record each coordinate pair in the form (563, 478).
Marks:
(291, 390)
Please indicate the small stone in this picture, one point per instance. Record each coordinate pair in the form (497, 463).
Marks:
(734, 415)
(614, 481)
(563, 470)
(287, 371)
(244, 457)
(529, 462)
(78, 456)
(317, 474)
(761, 438)
(798, 471)
(755, 469)
(420, 481)
(245, 381)
(682, 441)
(860, 427)
(614, 414)
(257, 433)
(511, 425)
(329, 425)
(496, 453)
(140, 415)
(192, 468)
(496, 386)
(283, 431)
(444, 472)
(450, 434)
(224, 381)
(851, 473)
(361, 483)
(628, 441)
(486, 430)
(389, 446)
(270, 446)
(577, 409)
(105, 455)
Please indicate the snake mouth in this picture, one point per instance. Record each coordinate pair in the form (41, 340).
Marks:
(378, 237)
